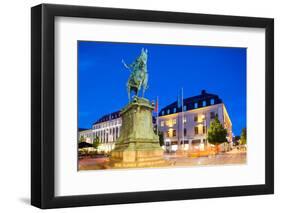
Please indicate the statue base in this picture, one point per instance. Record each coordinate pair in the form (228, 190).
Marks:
(138, 145)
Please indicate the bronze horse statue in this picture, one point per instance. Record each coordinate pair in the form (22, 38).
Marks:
(139, 77)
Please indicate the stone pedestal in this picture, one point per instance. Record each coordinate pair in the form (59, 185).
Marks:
(138, 145)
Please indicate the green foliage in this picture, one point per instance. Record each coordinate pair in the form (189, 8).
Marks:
(81, 139)
(161, 138)
(216, 132)
(96, 142)
(243, 139)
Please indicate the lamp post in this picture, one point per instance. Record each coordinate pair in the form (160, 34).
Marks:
(206, 132)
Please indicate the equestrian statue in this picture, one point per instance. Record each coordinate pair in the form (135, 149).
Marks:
(139, 76)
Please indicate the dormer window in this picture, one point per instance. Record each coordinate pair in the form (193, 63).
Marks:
(212, 101)
(196, 105)
(168, 111)
(204, 103)
(175, 110)
(184, 108)
(163, 112)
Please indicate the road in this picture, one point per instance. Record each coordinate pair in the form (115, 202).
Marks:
(175, 160)
(219, 159)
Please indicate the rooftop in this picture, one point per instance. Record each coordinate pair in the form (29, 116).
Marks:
(195, 102)
(108, 117)
(112, 116)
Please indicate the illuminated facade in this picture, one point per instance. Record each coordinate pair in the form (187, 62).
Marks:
(186, 127)
(86, 135)
(107, 129)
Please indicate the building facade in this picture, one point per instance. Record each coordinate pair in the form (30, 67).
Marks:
(86, 135)
(185, 127)
(107, 129)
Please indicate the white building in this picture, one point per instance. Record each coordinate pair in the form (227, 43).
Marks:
(186, 127)
(107, 129)
(86, 135)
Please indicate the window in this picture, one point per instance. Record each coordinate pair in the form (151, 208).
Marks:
(204, 103)
(175, 110)
(184, 120)
(212, 115)
(196, 118)
(195, 105)
(168, 111)
(184, 108)
(184, 132)
(212, 101)
(162, 123)
(174, 143)
(174, 121)
(174, 133)
(163, 112)
(167, 134)
(196, 130)
(204, 129)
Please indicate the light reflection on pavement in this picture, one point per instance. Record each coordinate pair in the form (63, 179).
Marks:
(175, 160)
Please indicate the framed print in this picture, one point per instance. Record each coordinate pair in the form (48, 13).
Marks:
(140, 106)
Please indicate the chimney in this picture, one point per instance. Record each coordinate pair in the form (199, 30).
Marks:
(203, 92)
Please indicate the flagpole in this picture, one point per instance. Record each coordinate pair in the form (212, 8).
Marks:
(157, 118)
(178, 122)
(182, 104)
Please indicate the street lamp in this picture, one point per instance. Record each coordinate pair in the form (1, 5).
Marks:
(205, 127)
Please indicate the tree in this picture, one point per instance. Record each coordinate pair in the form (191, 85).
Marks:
(216, 133)
(96, 142)
(161, 138)
(82, 139)
(243, 138)
(236, 140)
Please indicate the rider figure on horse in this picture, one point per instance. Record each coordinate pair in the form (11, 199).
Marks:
(139, 77)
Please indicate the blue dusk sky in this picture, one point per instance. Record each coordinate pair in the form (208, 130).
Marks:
(102, 77)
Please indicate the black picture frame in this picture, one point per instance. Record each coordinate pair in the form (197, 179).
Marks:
(43, 102)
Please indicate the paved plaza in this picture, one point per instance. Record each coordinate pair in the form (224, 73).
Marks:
(175, 160)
